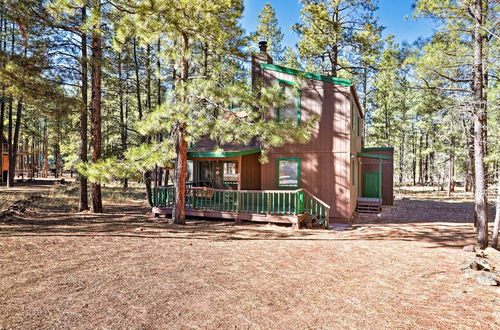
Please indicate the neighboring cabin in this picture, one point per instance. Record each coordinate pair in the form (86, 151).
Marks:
(333, 167)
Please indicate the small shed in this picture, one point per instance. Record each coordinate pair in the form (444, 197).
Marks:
(377, 173)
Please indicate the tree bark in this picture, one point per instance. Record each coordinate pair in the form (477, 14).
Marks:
(96, 45)
(123, 119)
(480, 194)
(83, 203)
(147, 173)
(179, 210)
(15, 144)
(137, 81)
(10, 151)
(496, 226)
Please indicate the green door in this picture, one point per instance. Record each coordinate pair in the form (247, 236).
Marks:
(371, 186)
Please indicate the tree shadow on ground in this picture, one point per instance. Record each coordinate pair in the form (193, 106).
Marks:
(406, 211)
(441, 228)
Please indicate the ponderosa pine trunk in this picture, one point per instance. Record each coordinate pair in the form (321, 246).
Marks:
(123, 124)
(10, 150)
(496, 226)
(179, 210)
(83, 203)
(480, 194)
(148, 173)
(96, 45)
(15, 143)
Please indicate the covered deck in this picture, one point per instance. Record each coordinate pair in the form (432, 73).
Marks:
(277, 206)
(227, 185)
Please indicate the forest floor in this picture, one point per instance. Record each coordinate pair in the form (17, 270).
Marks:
(125, 269)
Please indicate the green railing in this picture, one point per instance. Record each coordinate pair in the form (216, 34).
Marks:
(274, 202)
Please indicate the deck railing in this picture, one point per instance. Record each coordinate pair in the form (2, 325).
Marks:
(273, 202)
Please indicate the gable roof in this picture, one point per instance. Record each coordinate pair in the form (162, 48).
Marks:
(316, 76)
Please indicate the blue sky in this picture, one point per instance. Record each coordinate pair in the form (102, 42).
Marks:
(391, 14)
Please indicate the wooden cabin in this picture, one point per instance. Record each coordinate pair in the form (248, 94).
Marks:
(25, 167)
(327, 179)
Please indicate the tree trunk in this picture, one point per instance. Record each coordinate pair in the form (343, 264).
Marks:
(480, 195)
(46, 149)
(96, 45)
(401, 161)
(147, 173)
(137, 81)
(12, 164)
(83, 203)
(496, 226)
(420, 159)
(179, 210)
(158, 69)
(15, 144)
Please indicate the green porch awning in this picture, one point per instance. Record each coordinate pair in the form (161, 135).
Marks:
(208, 148)
(221, 154)
(362, 154)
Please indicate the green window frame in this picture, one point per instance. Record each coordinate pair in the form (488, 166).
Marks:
(278, 185)
(283, 82)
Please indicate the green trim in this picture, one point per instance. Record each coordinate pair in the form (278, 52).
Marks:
(379, 149)
(362, 154)
(278, 173)
(315, 76)
(299, 116)
(222, 154)
(287, 82)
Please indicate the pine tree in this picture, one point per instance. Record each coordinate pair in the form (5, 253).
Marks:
(336, 36)
(270, 31)
(466, 26)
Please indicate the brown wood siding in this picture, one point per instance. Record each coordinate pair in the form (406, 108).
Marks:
(371, 165)
(250, 172)
(354, 147)
(325, 159)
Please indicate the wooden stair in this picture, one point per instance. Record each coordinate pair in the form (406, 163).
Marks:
(369, 205)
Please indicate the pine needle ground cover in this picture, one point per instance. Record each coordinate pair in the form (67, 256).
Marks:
(125, 269)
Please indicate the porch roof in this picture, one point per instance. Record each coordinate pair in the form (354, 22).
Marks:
(207, 148)
(362, 154)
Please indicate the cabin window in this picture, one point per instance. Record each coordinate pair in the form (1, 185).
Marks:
(291, 109)
(190, 171)
(288, 172)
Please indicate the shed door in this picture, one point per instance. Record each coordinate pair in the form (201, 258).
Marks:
(371, 185)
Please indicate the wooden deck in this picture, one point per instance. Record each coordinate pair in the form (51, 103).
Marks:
(276, 206)
(237, 216)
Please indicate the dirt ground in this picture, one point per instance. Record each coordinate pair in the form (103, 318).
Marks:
(125, 269)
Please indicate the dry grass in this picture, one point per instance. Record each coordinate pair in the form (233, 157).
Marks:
(124, 269)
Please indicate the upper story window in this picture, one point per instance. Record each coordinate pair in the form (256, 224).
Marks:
(288, 172)
(291, 109)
